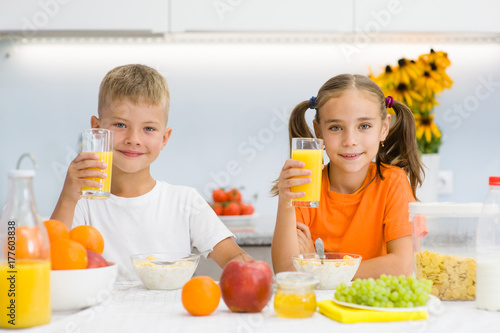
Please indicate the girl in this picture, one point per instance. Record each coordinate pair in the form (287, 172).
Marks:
(364, 204)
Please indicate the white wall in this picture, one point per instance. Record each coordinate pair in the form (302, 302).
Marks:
(229, 103)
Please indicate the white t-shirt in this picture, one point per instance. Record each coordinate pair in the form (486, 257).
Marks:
(169, 218)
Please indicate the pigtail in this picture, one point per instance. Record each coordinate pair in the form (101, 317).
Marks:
(297, 125)
(297, 128)
(400, 147)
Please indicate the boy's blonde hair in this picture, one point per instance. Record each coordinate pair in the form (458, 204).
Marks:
(136, 83)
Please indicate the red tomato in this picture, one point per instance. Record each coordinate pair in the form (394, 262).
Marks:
(233, 208)
(219, 195)
(217, 207)
(246, 209)
(234, 195)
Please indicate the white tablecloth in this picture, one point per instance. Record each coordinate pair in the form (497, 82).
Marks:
(132, 308)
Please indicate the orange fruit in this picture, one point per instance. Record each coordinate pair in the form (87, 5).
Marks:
(43, 243)
(27, 243)
(56, 230)
(68, 254)
(201, 296)
(89, 237)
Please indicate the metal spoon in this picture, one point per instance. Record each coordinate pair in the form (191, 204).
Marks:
(173, 261)
(320, 248)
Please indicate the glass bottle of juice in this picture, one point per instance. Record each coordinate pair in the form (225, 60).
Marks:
(488, 250)
(24, 257)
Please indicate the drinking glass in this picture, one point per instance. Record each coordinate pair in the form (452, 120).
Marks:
(309, 151)
(99, 141)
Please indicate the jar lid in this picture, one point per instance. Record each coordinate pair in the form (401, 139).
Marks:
(446, 209)
(17, 173)
(495, 180)
(296, 280)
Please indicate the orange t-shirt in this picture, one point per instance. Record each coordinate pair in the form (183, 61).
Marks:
(362, 222)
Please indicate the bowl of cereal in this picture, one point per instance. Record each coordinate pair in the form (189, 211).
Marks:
(335, 268)
(165, 271)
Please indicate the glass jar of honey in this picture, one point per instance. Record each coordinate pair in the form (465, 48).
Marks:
(295, 296)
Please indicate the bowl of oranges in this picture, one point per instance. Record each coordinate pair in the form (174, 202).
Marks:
(80, 276)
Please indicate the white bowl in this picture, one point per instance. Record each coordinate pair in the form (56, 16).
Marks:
(165, 271)
(75, 289)
(337, 268)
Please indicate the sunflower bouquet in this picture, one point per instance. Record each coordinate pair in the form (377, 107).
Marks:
(417, 83)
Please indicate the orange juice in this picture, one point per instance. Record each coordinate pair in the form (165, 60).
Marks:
(313, 158)
(103, 192)
(25, 293)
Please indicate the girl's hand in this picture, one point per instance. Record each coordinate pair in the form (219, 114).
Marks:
(287, 179)
(306, 244)
(77, 173)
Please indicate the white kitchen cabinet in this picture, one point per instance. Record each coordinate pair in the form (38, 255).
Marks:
(113, 16)
(427, 16)
(261, 16)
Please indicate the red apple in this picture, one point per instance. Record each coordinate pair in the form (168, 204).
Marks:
(246, 286)
(95, 260)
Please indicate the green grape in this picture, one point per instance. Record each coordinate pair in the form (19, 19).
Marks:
(386, 291)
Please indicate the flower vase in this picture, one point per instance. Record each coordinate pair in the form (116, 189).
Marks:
(428, 192)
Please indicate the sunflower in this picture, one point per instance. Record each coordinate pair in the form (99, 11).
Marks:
(439, 58)
(429, 83)
(386, 78)
(446, 81)
(426, 127)
(407, 71)
(417, 84)
(426, 105)
(403, 93)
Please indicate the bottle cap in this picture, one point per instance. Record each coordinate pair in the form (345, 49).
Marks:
(495, 180)
(437, 209)
(17, 173)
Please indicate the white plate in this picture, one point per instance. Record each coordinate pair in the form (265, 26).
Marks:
(432, 299)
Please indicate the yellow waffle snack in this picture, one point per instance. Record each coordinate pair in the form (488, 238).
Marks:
(454, 277)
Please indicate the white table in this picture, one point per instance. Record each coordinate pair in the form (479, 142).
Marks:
(132, 308)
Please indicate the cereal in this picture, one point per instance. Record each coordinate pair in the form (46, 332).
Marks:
(454, 277)
(164, 277)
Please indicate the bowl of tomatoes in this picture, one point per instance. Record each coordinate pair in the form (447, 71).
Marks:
(230, 207)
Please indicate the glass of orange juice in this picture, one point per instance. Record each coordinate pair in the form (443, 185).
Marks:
(309, 151)
(100, 142)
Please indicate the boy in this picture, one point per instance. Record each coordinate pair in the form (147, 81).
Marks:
(142, 215)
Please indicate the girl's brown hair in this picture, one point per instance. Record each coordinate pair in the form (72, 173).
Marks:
(400, 146)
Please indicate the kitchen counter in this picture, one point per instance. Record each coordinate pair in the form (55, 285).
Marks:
(253, 232)
(132, 308)
(255, 238)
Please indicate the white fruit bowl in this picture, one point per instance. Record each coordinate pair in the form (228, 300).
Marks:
(75, 289)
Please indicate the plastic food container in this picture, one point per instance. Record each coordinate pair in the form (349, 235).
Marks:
(295, 296)
(446, 254)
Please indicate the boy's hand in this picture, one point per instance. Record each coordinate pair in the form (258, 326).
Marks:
(78, 170)
(292, 169)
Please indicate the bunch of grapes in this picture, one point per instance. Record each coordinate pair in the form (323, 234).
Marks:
(387, 291)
